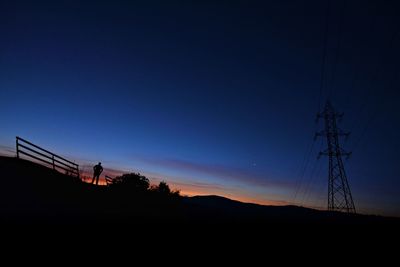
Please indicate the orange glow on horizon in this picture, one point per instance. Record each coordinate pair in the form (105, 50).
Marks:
(187, 189)
(192, 193)
(88, 179)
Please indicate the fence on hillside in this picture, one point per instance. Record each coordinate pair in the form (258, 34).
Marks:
(58, 163)
(109, 180)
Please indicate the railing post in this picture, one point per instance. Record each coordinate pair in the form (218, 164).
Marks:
(16, 144)
(27, 148)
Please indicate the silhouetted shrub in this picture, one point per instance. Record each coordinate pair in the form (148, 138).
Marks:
(163, 189)
(175, 193)
(132, 181)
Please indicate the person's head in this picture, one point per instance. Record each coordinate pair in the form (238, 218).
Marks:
(99, 163)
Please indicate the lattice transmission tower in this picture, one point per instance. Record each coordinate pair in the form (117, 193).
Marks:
(339, 194)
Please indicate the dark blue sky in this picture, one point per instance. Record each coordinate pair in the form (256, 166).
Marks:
(216, 98)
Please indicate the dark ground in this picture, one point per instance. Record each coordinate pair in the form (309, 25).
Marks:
(31, 193)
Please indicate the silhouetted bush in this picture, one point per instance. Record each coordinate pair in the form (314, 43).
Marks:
(164, 190)
(175, 193)
(132, 181)
(126, 184)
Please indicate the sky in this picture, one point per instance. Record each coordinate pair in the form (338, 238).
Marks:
(214, 97)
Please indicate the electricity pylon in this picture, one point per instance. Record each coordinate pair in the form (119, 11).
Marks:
(339, 194)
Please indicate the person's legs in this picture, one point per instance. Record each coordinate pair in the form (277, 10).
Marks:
(97, 179)
(94, 177)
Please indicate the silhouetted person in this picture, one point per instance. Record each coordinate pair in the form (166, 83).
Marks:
(97, 170)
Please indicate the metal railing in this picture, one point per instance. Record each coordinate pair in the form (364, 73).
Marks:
(58, 163)
(109, 180)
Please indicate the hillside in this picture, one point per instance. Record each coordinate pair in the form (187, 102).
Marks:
(31, 192)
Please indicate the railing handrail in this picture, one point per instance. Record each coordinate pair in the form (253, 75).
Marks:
(109, 179)
(51, 158)
(71, 170)
(38, 147)
(45, 156)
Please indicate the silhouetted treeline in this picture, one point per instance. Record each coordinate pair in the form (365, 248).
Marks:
(136, 183)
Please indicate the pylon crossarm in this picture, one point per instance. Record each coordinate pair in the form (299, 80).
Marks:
(339, 194)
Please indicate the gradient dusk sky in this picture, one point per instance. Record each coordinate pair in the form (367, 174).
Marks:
(215, 97)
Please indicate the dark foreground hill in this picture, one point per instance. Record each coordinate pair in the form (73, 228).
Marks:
(30, 193)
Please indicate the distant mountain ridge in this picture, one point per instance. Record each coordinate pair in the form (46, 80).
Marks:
(34, 192)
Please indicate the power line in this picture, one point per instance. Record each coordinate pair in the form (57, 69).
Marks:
(306, 161)
(338, 48)
(307, 157)
(315, 174)
(317, 165)
(325, 54)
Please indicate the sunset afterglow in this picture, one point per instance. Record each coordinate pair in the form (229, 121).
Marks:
(215, 98)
